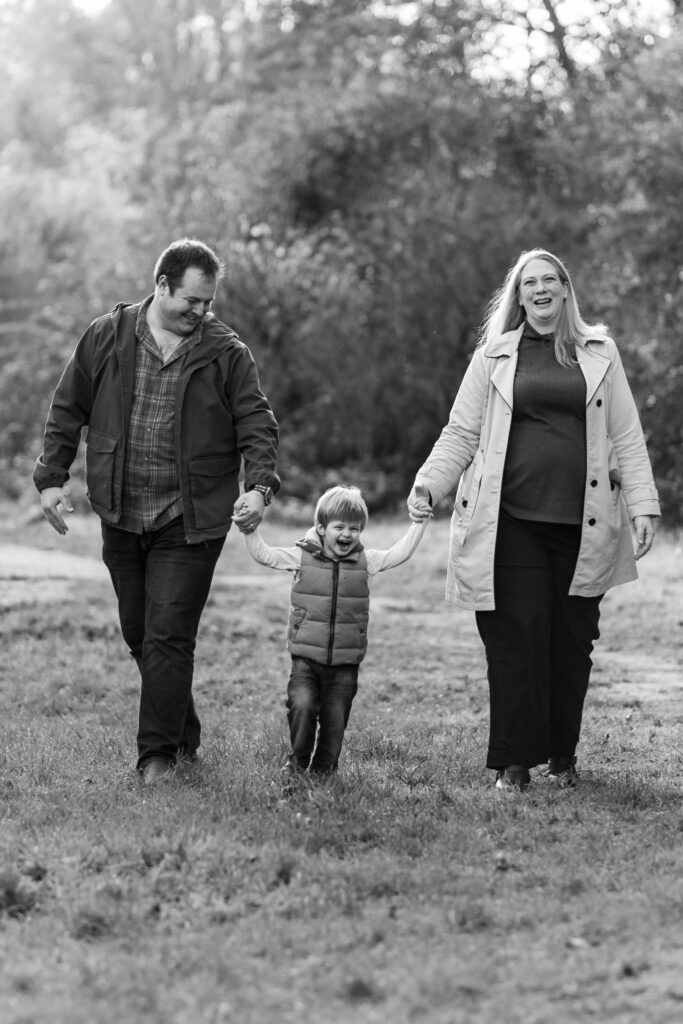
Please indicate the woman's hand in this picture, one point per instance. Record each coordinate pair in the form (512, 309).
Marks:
(419, 504)
(646, 528)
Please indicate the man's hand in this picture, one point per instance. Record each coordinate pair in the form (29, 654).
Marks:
(248, 511)
(50, 500)
(419, 504)
(646, 528)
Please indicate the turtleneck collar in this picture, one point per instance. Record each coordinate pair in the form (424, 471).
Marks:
(531, 333)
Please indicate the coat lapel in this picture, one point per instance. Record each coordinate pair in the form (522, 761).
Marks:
(504, 351)
(594, 365)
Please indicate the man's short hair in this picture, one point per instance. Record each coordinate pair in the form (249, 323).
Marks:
(343, 502)
(185, 253)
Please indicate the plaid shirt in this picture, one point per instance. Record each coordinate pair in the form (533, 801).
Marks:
(151, 490)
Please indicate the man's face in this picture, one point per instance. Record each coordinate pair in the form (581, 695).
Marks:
(181, 311)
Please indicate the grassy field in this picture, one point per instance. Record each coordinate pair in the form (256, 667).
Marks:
(404, 890)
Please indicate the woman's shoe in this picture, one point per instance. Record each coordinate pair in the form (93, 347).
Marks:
(514, 777)
(562, 773)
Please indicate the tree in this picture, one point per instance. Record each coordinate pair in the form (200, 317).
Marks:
(368, 170)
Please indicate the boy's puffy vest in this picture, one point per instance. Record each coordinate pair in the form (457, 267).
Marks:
(328, 619)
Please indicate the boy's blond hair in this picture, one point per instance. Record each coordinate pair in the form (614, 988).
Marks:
(341, 502)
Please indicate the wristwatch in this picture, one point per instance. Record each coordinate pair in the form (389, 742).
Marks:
(263, 489)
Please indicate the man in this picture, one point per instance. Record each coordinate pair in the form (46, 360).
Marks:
(172, 402)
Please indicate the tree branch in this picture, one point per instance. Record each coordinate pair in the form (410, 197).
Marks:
(558, 34)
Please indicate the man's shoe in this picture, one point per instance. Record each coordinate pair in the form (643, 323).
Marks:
(156, 769)
(513, 778)
(562, 773)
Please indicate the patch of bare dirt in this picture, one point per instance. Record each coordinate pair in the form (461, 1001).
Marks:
(29, 575)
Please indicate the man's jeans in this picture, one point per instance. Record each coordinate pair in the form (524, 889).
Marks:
(162, 584)
(319, 694)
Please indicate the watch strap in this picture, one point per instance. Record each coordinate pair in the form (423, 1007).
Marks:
(263, 489)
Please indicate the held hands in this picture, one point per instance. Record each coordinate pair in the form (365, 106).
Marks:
(50, 501)
(248, 511)
(419, 504)
(646, 528)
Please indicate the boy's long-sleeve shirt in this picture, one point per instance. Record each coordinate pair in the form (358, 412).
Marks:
(329, 613)
(289, 558)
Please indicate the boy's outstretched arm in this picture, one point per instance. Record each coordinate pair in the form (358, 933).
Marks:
(399, 552)
(274, 558)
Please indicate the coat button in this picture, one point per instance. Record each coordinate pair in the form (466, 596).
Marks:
(464, 503)
(599, 402)
(591, 522)
(594, 483)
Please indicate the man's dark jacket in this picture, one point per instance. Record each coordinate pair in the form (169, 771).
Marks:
(221, 416)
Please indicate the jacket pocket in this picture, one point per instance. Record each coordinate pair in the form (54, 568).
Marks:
(213, 489)
(296, 618)
(467, 496)
(613, 462)
(100, 463)
(614, 471)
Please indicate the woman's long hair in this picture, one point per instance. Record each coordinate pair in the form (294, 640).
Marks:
(505, 313)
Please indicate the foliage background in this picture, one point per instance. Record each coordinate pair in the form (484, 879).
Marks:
(368, 171)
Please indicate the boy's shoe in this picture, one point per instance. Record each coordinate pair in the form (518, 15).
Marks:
(513, 778)
(562, 774)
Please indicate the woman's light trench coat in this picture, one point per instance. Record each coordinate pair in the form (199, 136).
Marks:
(470, 453)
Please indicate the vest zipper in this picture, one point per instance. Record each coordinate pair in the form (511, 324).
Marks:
(333, 612)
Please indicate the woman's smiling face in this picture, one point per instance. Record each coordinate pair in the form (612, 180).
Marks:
(541, 294)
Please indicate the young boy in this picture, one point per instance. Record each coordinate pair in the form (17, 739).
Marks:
(328, 620)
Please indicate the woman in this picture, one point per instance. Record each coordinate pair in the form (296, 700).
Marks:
(545, 445)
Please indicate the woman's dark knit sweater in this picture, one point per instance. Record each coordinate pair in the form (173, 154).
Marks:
(545, 466)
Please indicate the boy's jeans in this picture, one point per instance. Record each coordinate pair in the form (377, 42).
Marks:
(319, 694)
(162, 584)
